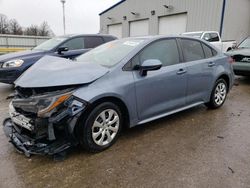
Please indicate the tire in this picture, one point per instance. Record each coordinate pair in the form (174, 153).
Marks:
(97, 134)
(218, 95)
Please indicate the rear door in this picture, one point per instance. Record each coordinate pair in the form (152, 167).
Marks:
(200, 68)
(162, 90)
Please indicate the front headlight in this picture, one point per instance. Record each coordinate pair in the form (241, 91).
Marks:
(13, 63)
(42, 105)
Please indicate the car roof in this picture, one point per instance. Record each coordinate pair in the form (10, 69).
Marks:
(155, 37)
(200, 32)
(85, 35)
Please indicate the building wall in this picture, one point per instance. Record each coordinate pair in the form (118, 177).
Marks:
(202, 15)
(237, 20)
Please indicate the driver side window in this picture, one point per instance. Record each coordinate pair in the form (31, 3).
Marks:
(74, 44)
(164, 50)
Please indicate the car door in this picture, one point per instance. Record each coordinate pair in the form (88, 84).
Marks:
(162, 90)
(200, 70)
(75, 47)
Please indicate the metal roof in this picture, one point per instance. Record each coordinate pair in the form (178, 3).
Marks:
(112, 7)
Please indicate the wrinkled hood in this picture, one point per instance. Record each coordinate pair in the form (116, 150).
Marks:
(240, 51)
(52, 71)
(21, 55)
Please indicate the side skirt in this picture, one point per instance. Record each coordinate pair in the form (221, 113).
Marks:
(169, 113)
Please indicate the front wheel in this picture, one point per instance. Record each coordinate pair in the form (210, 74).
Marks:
(218, 95)
(102, 127)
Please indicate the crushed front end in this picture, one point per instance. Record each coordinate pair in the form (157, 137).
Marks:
(42, 120)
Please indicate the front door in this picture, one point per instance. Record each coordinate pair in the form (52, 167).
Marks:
(162, 90)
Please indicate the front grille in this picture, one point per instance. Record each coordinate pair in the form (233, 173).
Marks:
(242, 58)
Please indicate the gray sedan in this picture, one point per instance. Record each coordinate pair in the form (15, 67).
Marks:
(122, 83)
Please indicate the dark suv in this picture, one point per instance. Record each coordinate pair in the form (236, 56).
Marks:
(69, 46)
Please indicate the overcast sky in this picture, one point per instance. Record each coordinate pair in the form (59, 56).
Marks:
(82, 16)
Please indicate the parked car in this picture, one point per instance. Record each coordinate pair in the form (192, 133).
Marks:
(70, 46)
(122, 83)
(214, 38)
(241, 56)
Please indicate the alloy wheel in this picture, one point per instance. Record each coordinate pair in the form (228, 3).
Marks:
(220, 93)
(105, 127)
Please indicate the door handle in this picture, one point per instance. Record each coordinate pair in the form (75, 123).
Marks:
(181, 71)
(211, 64)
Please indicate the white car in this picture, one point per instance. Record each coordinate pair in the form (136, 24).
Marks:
(214, 38)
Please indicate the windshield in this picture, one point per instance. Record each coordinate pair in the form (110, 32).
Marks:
(245, 43)
(109, 54)
(50, 44)
(196, 35)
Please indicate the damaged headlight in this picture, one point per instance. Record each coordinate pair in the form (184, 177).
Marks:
(43, 105)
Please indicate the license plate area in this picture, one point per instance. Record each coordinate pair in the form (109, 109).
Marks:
(20, 119)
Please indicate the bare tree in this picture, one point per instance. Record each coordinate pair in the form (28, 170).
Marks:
(32, 30)
(15, 28)
(4, 24)
(44, 30)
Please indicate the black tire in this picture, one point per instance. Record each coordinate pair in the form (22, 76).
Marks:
(86, 139)
(212, 104)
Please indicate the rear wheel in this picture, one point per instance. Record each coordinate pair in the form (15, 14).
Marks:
(102, 127)
(218, 95)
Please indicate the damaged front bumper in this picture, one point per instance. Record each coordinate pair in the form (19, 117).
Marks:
(29, 146)
(43, 136)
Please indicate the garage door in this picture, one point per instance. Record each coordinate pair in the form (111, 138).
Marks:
(175, 24)
(138, 28)
(115, 30)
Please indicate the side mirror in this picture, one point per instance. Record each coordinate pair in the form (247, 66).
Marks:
(62, 49)
(149, 65)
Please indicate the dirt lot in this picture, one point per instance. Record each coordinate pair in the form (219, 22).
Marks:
(195, 148)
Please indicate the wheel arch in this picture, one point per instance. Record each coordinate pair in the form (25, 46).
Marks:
(226, 78)
(119, 102)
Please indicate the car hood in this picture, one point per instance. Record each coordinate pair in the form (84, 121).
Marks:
(240, 51)
(52, 71)
(20, 55)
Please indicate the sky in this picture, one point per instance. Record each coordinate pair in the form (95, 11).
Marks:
(82, 16)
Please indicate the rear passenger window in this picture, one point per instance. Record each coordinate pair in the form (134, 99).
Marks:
(92, 42)
(208, 51)
(192, 50)
(108, 39)
(164, 50)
